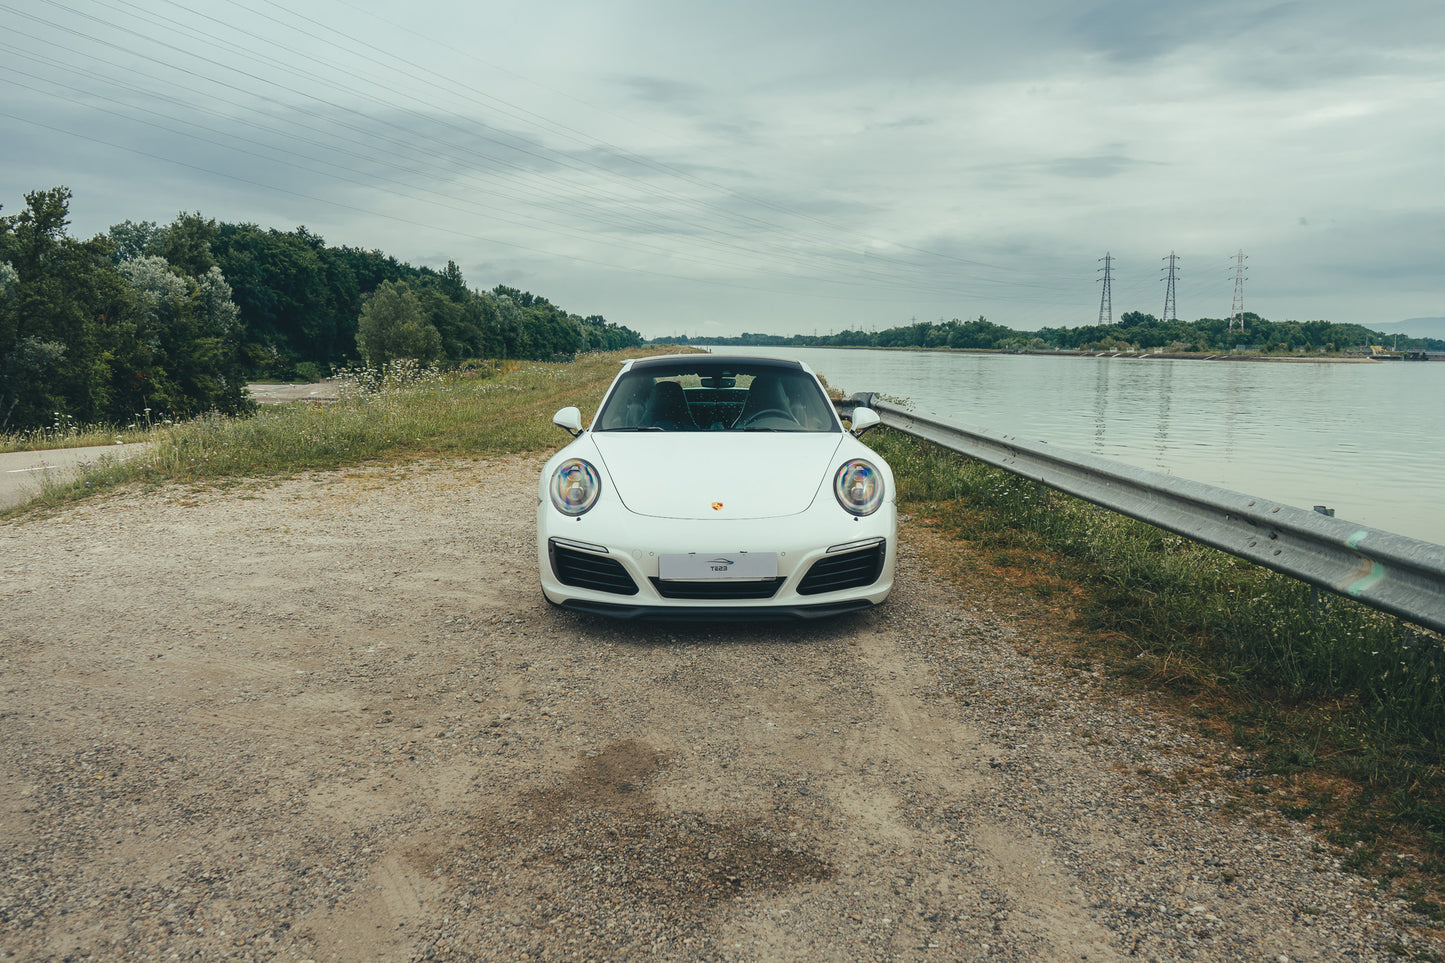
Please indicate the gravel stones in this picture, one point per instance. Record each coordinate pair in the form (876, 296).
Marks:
(333, 719)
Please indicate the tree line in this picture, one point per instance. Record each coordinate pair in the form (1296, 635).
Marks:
(1135, 331)
(173, 320)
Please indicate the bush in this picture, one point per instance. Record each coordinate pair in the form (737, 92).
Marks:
(309, 372)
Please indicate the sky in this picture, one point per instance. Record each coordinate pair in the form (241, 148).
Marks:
(709, 168)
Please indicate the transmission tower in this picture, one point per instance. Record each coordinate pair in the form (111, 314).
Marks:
(1106, 299)
(1170, 312)
(1236, 313)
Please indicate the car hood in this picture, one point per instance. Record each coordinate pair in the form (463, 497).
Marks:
(699, 475)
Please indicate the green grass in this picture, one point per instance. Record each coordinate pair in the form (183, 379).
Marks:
(404, 412)
(1338, 701)
(65, 433)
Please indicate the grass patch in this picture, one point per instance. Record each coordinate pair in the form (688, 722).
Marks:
(402, 412)
(64, 433)
(1339, 705)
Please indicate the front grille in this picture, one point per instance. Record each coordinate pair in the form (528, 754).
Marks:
(845, 570)
(588, 571)
(721, 590)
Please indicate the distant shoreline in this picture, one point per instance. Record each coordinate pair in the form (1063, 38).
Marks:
(1123, 355)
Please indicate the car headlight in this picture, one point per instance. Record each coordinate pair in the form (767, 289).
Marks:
(575, 487)
(859, 487)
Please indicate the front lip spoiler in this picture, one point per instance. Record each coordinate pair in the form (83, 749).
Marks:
(756, 613)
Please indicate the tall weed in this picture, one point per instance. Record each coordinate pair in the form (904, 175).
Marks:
(66, 432)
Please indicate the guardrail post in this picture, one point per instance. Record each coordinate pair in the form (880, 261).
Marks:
(1319, 602)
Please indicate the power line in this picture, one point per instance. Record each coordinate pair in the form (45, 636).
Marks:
(468, 127)
(589, 140)
(625, 199)
(621, 212)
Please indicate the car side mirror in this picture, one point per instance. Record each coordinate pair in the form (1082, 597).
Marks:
(570, 420)
(863, 419)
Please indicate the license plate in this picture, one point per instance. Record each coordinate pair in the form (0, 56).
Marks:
(697, 566)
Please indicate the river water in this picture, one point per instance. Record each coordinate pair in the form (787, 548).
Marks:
(1367, 440)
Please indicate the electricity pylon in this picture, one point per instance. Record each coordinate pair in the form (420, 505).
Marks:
(1171, 313)
(1106, 299)
(1236, 313)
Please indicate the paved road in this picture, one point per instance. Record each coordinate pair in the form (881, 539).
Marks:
(280, 394)
(21, 471)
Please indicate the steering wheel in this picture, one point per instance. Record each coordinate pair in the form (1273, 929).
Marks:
(759, 415)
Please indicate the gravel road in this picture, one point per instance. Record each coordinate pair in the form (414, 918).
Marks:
(333, 719)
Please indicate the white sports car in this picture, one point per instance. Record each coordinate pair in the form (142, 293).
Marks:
(716, 487)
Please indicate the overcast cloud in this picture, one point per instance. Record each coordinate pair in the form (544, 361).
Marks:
(714, 168)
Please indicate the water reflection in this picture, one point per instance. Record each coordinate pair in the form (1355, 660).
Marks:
(1161, 431)
(1101, 408)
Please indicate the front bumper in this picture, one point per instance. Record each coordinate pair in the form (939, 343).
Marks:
(610, 567)
(702, 613)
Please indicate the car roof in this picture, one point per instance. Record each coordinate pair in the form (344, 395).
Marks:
(712, 361)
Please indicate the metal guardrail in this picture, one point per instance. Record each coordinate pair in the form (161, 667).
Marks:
(1389, 572)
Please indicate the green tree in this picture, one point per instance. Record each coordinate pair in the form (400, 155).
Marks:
(451, 284)
(175, 347)
(51, 324)
(508, 337)
(295, 303)
(393, 325)
(28, 366)
(978, 333)
(130, 240)
(186, 243)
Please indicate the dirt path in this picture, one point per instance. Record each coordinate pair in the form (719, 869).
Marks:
(333, 719)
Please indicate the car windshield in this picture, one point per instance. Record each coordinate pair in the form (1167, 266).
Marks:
(716, 396)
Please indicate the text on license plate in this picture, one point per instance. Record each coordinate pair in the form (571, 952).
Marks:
(704, 565)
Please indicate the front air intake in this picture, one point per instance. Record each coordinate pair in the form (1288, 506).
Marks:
(845, 570)
(588, 571)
